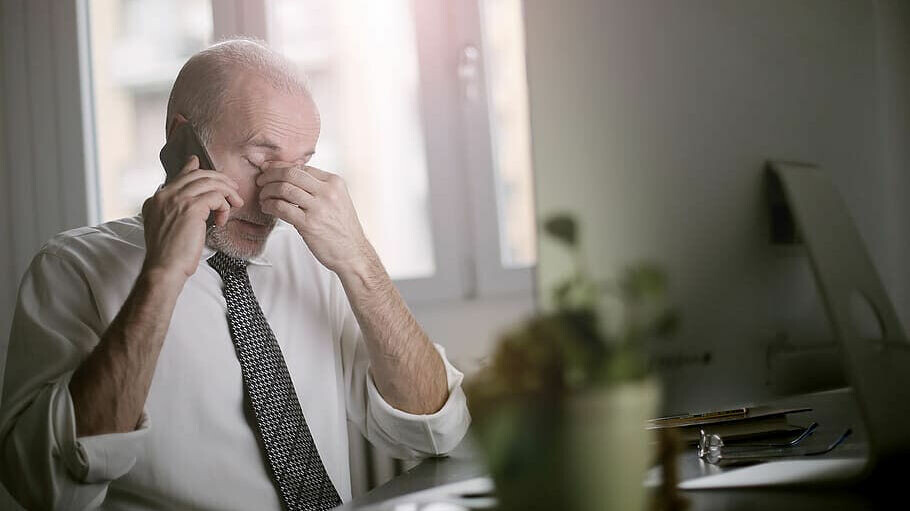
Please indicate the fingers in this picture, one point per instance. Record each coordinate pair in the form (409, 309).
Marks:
(185, 180)
(288, 192)
(193, 182)
(207, 184)
(292, 174)
(221, 217)
(192, 172)
(215, 202)
(285, 211)
(192, 163)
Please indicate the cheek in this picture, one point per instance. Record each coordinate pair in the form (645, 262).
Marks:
(249, 192)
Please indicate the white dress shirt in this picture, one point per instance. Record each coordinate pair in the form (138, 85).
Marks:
(195, 446)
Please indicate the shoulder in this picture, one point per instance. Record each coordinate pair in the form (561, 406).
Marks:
(98, 247)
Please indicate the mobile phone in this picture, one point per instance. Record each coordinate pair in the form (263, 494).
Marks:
(183, 143)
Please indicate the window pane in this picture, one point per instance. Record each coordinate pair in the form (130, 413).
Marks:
(360, 57)
(137, 46)
(507, 94)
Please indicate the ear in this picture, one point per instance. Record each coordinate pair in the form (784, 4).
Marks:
(176, 121)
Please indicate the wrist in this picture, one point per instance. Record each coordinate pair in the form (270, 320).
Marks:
(162, 278)
(363, 271)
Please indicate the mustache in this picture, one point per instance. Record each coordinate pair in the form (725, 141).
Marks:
(256, 218)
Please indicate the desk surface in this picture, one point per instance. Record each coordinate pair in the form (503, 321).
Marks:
(834, 410)
(432, 472)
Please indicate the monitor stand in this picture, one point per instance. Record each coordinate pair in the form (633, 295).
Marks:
(877, 367)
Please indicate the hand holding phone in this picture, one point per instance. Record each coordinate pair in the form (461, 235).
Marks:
(175, 217)
(182, 144)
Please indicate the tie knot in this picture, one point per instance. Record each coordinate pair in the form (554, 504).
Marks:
(226, 265)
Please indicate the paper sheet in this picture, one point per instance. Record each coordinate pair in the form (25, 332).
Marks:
(779, 473)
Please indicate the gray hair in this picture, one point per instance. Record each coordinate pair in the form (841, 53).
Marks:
(204, 81)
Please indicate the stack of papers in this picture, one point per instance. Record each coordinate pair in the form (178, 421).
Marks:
(736, 424)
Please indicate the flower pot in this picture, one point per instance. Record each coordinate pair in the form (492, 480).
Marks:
(588, 451)
(609, 448)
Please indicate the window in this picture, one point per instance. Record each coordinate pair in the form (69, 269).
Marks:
(428, 165)
(503, 37)
(360, 58)
(137, 48)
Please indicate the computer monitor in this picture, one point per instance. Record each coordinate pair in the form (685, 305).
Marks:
(652, 123)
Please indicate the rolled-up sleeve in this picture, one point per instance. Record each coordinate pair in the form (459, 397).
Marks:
(432, 434)
(400, 434)
(43, 464)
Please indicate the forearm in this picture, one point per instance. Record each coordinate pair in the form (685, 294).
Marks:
(110, 387)
(407, 369)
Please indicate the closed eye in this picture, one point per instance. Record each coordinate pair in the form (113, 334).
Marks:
(251, 164)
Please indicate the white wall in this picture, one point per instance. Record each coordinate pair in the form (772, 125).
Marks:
(469, 330)
(893, 21)
(7, 288)
(652, 119)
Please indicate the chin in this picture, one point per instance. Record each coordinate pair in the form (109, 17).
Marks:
(239, 240)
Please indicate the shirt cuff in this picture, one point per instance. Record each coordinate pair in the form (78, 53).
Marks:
(97, 458)
(435, 433)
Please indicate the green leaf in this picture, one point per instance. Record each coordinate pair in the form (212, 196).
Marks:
(562, 226)
(668, 323)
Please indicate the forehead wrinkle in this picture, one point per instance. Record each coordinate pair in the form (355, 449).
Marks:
(263, 124)
(251, 106)
(275, 123)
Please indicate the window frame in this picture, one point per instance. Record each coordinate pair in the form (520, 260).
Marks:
(492, 277)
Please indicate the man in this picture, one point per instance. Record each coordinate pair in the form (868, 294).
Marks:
(157, 363)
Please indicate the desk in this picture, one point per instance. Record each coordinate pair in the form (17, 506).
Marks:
(833, 410)
(462, 465)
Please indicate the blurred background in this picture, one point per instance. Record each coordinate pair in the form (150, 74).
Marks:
(650, 121)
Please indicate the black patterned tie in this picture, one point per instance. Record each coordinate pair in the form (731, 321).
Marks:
(292, 457)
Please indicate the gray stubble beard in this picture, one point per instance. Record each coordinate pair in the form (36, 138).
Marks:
(219, 239)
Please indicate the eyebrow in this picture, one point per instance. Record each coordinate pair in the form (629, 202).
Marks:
(260, 141)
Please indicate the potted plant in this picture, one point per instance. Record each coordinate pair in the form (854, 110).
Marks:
(559, 411)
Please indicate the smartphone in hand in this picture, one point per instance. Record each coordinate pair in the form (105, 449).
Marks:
(180, 146)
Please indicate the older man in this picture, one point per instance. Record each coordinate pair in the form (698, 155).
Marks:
(204, 356)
